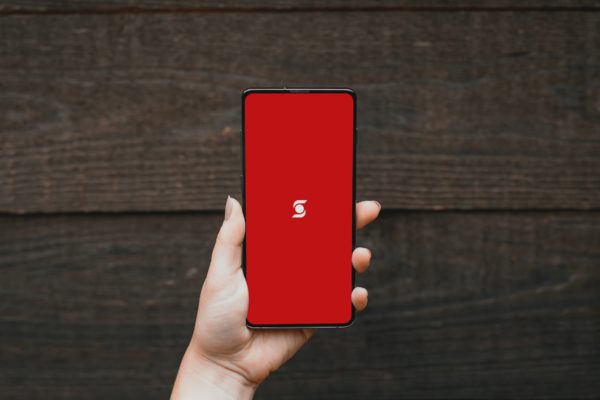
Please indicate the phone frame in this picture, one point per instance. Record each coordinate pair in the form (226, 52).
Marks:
(300, 90)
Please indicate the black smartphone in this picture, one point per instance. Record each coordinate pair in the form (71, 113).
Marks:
(299, 149)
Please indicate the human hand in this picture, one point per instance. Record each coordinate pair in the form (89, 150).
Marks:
(225, 359)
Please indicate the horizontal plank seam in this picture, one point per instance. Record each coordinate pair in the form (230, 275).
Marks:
(217, 10)
(218, 211)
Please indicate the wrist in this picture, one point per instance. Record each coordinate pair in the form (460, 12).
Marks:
(201, 378)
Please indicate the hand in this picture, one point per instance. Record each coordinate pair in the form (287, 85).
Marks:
(225, 359)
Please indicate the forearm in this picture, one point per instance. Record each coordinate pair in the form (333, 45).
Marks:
(199, 378)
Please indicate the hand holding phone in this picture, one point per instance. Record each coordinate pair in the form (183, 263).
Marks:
(224, 357)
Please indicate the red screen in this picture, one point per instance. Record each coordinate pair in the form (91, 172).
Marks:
(299, 146)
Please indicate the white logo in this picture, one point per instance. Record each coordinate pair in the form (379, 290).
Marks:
(299, 209)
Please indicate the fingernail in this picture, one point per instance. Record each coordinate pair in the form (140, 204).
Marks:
(228, 208)
(378, 204)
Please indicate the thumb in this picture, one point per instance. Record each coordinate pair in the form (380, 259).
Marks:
(227, 253)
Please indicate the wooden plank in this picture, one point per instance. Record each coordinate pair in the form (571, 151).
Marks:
(8, 6)
(462, 305)
(456, 110)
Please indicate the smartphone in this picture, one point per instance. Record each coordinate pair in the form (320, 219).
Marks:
(298, 184)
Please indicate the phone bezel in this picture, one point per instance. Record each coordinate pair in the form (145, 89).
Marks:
(300, 90)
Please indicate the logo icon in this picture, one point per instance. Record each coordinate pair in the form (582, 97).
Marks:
(299, 209)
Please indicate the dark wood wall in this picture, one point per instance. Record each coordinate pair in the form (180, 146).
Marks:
(479, 133)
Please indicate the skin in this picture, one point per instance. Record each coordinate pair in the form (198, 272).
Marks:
(225, 359)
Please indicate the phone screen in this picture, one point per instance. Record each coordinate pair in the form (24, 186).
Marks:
(299, 174)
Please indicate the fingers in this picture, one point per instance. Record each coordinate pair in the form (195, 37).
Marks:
(360, 298)
(366, 212)
(227, 253)
(361, 258)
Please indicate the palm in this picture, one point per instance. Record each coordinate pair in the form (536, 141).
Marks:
(224, 337)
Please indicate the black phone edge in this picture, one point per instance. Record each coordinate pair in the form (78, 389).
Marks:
(352, 93)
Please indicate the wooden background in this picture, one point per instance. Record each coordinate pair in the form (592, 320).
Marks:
(479, 133)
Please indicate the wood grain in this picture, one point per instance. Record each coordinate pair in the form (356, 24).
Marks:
(477, 305)
(46, 6)
(456, 110)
